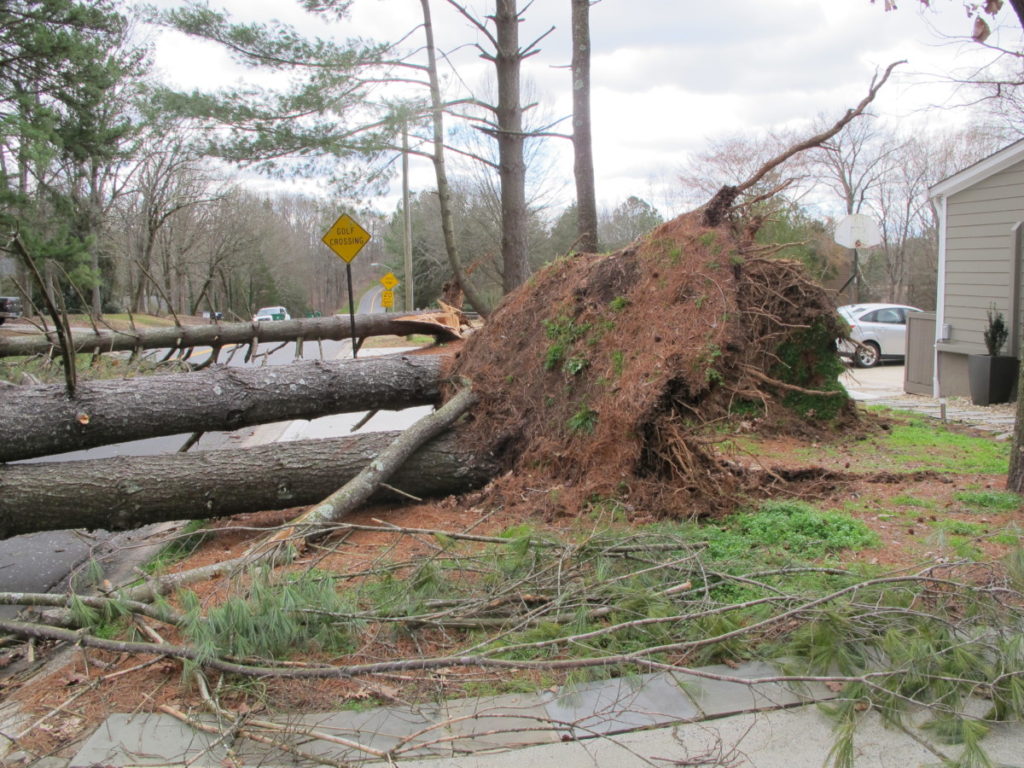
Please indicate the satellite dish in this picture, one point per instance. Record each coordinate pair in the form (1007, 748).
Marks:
(858, 231)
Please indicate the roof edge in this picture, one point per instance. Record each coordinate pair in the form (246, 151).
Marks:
(972, 174)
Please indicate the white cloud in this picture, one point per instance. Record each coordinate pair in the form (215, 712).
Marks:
(667, 74)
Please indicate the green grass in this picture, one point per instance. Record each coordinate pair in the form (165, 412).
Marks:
(989, 501)
(960, 527)
(917, 443)
(414, 340)
(51, 371)
(906, 500)
(185, 542)
(800, 529)
(562, 332)
(584, 420)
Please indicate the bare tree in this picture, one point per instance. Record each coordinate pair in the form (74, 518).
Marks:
(440, 169)
(167, 181)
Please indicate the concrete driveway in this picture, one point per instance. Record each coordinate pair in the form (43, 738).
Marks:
(882, 381)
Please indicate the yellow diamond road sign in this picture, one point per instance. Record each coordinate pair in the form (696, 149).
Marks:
(389, 280)
(346, 238)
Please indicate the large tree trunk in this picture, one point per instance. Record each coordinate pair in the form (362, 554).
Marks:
(42, 420)
(131, 492)
(512, 167)
(1015, 478)
(441, 325)
(583, 157)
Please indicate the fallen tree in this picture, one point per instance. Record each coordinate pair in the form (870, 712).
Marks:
(608, 375)
(130, 492)
(42, 420)
(442, 325)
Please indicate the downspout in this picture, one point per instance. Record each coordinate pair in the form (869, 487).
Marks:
(1015, 298)
(940, 295)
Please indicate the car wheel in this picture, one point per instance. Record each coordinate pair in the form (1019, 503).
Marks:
(867, 355)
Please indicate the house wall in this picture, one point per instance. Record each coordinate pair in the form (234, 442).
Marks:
(980, 224)
(953, 375)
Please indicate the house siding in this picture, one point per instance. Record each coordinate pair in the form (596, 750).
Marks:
(979, 267)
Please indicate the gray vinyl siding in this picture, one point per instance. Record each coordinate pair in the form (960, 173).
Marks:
(979, 251)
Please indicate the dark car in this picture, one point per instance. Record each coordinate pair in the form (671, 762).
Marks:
(10, 306)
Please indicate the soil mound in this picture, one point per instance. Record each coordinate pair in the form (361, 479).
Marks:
(614, 376)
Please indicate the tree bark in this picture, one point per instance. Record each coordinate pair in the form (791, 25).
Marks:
(130, 492)
(388, 461)
(441, 325)
(42, 420)
(512, 171)
(1015, 477)
(583, 157)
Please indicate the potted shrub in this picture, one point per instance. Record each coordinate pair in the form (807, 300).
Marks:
(993, 377)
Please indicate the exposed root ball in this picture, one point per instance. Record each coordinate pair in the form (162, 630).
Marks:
(612, 375)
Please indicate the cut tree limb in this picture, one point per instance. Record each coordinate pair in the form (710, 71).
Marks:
(442, 325)
(41, 420)
(124, 493)
(361, 487)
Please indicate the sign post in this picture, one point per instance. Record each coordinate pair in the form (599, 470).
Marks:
(346, 239)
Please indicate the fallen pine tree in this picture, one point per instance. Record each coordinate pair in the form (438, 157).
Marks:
(41, 420)
(442, 325)
(607, 376)
(129, 492)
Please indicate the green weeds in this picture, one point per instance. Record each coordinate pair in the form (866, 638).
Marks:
(799, 528)
(187, 541)
(584, 420)
(562, 332)
(618, 358)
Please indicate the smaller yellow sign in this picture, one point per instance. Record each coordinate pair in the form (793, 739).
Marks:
(389, 281)
(387, 299)
(346, 238)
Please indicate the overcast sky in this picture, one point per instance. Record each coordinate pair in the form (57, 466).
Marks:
(667, 75)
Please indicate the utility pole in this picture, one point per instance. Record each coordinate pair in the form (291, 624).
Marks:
(410, 304)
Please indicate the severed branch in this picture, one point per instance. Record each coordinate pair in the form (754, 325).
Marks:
(360, 488)
(60, 320)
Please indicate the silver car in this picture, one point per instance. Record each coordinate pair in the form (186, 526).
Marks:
(879, 329)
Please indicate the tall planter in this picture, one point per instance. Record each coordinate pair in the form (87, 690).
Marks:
(992, 378)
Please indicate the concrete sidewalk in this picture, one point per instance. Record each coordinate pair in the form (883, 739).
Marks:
(668, 718)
